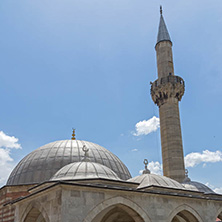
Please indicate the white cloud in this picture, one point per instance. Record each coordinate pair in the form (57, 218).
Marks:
(193, 159)
(218, 190)
(154, 167)
(215, 189)
(146, 127)
(4, 156)
(134, 150)
(8, 141)
(6, 161)
(6, 165)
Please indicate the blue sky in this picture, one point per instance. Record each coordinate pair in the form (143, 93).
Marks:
(87, 64)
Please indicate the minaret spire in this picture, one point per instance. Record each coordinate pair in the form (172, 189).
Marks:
(163, 34)
(166, 92)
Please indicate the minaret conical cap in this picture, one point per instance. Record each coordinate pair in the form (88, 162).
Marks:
(163, 34)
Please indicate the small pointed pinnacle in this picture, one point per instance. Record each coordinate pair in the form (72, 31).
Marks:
(161, 10)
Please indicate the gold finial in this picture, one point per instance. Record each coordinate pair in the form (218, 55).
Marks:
(73, 134)
(161, 10)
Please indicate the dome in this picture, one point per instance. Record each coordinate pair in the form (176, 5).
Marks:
(84, 170)
(41, 164)
(196, 186)
(146, 180)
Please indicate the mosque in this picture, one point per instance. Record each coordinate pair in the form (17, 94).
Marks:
(80, 181)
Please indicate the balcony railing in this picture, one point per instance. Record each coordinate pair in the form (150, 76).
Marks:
(168, 79)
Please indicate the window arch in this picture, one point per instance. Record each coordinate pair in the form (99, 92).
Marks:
(118, 213)
(34, 215)
(117, 209)
(184, 216)
(34, 212)
(219, 217)
(184, 213)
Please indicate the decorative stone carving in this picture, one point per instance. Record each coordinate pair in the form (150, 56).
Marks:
(167, 87)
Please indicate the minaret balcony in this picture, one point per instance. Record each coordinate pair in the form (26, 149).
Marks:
(167, 87)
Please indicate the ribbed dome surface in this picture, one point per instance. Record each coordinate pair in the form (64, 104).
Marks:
(85, 170)
(196, 186)
(146, 180)
(41, 164)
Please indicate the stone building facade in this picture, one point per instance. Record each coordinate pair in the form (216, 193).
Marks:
(79, 181)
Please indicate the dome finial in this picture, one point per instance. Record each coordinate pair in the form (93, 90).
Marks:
(73, 134)
(146, 171)
(187, 179)
(161, 10)
(86, 156)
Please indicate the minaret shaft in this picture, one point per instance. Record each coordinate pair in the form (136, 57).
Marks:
(164, 59)
(166, 92)
(171, 140)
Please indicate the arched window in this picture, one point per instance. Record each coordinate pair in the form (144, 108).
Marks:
(184, 216)
(34, 215)
(118, 213)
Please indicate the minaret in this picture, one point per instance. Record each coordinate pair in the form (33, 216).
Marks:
(166, 92)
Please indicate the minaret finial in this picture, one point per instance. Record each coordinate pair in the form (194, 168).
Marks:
(161, 10)
(73, 134)
(146, 171)
(85, 150)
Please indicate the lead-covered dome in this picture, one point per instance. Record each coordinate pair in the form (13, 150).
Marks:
(41, 164)
(84, 170)
(146, 180)
(196, 186)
